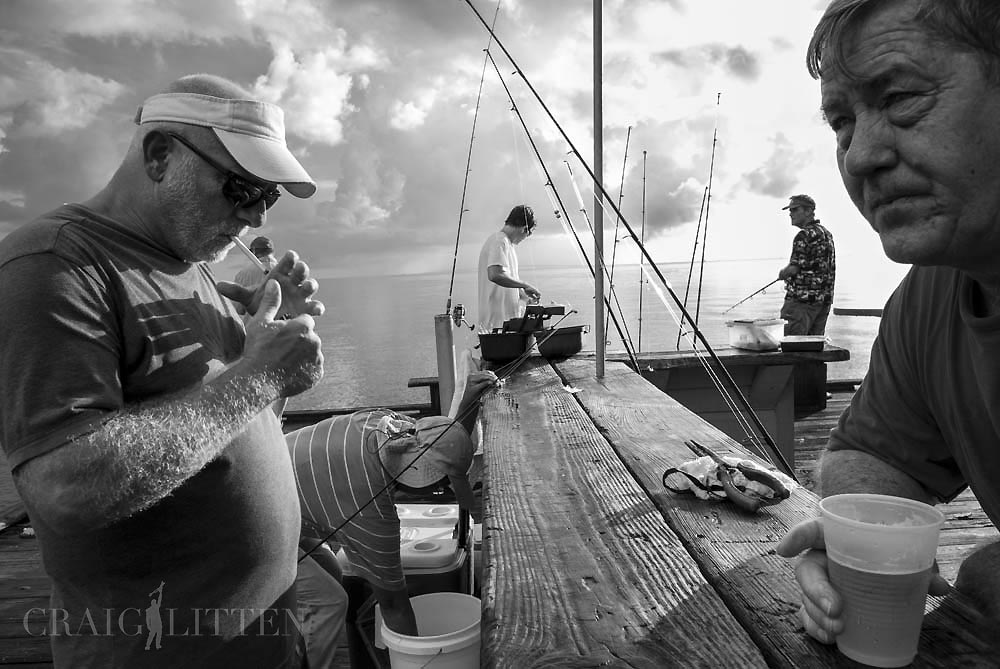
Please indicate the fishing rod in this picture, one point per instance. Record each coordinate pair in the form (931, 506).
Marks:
(757, 292)
(468, 166)
(694, 251)
(708, 206)
(552, 192)
(776, 456)
(642, 235)
(600, 258)
(621, 194)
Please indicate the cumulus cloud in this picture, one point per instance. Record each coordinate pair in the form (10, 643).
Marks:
(777, 175)
(312, 92)
(65, 100)
(379, 99)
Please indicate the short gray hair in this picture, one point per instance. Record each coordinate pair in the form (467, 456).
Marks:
(967, 25)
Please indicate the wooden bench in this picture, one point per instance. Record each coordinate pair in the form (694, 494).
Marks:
(433, 384)
(589, 561)
(777, 384)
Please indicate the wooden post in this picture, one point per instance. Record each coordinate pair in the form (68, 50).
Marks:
(444, 338)
(599, 342)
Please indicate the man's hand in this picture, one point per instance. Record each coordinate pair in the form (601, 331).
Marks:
(788, 272)
(297, 289)
(822, 605)
(531, 293)
(287, 350)
(477, 384)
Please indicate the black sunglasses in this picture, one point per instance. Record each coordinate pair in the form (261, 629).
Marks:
(236, 189)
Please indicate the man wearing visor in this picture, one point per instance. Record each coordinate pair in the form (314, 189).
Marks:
(134, 402)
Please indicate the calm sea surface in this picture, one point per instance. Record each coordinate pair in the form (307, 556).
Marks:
(379, 331)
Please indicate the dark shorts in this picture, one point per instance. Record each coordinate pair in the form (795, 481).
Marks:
(273, 641)
(805, 318)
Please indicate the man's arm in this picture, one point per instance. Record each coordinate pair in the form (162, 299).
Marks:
(145, 451)
(397, 611)
(848, 471)
(498, 275)
(476, 385)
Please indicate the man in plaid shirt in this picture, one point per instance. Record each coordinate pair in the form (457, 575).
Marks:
(810, 272)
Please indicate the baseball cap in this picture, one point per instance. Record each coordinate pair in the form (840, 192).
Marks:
(800, 200)
(252, 131)
(444, 449)
(261, 244)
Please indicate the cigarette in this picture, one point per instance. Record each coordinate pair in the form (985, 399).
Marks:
(249, 254)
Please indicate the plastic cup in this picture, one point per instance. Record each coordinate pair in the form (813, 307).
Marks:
(881, 550)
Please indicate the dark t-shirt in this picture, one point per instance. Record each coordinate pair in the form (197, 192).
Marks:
(930, 403)
(97, 318)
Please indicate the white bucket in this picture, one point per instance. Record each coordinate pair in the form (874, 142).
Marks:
(449, 634)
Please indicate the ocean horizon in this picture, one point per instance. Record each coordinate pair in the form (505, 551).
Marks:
(378, 331)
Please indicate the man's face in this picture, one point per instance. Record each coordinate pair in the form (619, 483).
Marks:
(800, 214)
(520, 234)
(918, 142)
(200, 220)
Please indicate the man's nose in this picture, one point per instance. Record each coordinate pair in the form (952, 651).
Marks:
(254, 216)
(871, 146)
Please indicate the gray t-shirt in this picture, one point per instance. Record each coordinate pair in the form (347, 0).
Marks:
(97, 318)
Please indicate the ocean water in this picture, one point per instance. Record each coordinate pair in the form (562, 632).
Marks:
(378, 332)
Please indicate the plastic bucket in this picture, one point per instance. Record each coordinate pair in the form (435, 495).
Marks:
(448, 623)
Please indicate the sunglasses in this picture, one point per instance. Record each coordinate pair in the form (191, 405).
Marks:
(236, 189)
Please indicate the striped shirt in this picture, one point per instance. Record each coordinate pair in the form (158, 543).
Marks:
(338, 471)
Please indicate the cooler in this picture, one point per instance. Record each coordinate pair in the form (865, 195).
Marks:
(433, 560)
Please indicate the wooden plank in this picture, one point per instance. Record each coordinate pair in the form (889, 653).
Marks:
(579, 566)
(730, 357)
(848, 311)
(736, 550)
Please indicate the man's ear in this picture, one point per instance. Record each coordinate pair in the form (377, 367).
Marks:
(156, 146)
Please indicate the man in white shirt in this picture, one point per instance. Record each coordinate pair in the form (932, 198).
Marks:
(502, 294)
(251, 276)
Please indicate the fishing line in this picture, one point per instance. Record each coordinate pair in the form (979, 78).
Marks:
(727, 397)
(694, 251)
(621, 194)
(457, 421)
(502, 374)
(553, 194)
(611, 289)
(642, 235)
(468, 164)
(771, 444)
(708, 207)
(713, 377)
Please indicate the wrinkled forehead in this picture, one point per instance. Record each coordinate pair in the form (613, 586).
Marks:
(844, 41)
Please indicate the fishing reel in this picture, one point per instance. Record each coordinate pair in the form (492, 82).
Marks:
(458, 317)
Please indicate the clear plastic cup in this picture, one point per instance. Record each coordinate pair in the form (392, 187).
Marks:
(881, 550)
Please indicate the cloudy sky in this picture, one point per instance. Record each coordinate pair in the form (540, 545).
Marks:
(380, 97)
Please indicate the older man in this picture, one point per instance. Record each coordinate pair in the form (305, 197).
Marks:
(810, 273)
(135, 403)
(911, 91)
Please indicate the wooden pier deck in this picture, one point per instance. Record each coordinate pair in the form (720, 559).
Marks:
(23, 584)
